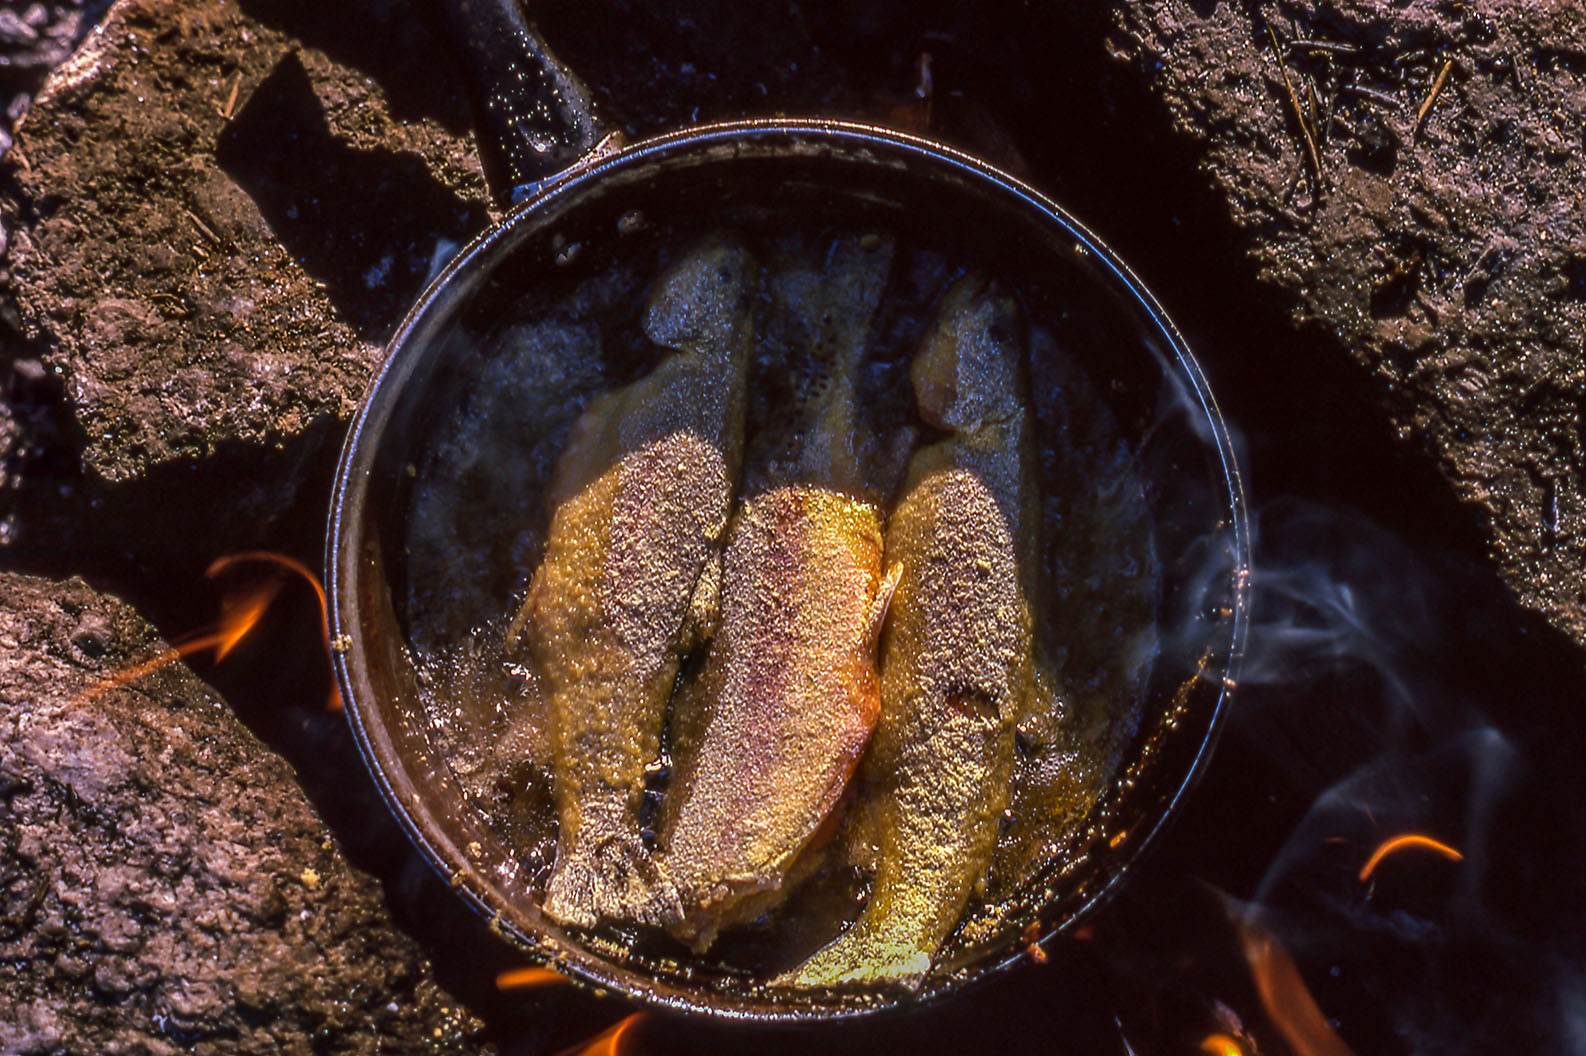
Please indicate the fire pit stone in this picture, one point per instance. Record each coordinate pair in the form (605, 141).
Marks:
(164, 885)
(220, 210)
(1427, 218)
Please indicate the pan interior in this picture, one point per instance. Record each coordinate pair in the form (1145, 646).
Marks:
(441, 519)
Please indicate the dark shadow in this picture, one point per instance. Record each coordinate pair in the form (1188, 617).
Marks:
(386, 39)
(366, 223)
(657, 67)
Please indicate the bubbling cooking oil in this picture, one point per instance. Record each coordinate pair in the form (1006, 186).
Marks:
(476, 529)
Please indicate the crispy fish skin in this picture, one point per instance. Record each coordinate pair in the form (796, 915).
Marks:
(957, 663)
(643, 494)
(790, 691)
(793, 697)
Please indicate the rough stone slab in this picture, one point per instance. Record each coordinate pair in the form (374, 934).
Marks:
(164, 885)
(1449, 258)
(222, 208)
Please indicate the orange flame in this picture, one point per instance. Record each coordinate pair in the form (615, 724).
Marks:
(1397, 843)
(1221, 1045)
(291, 564)
(1289, 1004)
(529, 978)
(608, 1042)
(238, 615)
(240, 612)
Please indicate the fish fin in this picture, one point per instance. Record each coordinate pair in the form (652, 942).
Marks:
(618, 880)
(516, 629)
(704, 605)
(881, 605)
(727, 903)
(697, 931)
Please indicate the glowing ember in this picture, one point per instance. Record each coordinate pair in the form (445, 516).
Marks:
(608, 1042)
(1221, 1045)
(1289, 1004)
(1399, 843)
(240, 612)
(530, 978)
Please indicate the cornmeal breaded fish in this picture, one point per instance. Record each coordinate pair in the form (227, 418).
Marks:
(630, 575)
(792, 698)
(789, 693)
(957, 661)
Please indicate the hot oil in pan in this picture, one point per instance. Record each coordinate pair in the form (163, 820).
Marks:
(478, 517)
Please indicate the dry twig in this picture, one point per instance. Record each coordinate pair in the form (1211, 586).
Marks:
(1299, 111)
(231, 100)
(1431, 96)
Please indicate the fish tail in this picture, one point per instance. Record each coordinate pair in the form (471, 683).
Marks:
(858, 958)
(617, 879)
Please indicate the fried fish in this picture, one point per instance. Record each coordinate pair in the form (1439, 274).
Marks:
(630, 576)
(957, 664)
(789, 694)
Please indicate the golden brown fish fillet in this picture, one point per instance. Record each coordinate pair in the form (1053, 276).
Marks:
(789, 693)
(792, 694)
(957, 654)
(628, 581)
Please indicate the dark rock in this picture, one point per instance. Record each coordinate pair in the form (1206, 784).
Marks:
(164, 885)
(1438, 250)
(215, 225)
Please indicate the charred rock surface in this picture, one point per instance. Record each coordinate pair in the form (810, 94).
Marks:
(1407, 180)
(218, 211)
(164, 885)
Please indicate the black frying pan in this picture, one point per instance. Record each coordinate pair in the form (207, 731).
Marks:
(581, 201)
